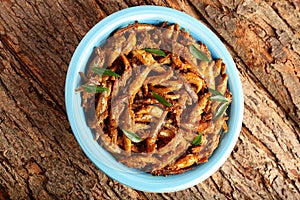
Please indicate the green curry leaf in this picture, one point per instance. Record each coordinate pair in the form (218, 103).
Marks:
(132, 136)
(93, 88)
(106, 72)
(160, 99)
(155, 51)
(197, 53)
(197, 140)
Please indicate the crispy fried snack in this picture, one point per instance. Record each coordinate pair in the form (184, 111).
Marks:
(156, 106)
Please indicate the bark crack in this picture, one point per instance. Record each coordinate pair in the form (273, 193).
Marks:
(19, 60)
(275, 9)
(272, 156)
(202, 17)
(69, 22)
(217, 186)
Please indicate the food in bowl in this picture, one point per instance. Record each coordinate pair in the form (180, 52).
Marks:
(155, 99)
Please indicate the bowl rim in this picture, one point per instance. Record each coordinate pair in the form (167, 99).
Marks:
(134, 179)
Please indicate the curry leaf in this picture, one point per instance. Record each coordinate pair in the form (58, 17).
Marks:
(198, 54)
(93, 88)
(155, 51)
(106, 72)
(132, 136)
(197, 140)
(220, 111)
(214, 92)
(161, 99)
(217, 96)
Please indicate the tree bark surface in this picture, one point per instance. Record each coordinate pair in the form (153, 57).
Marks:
(39, 156)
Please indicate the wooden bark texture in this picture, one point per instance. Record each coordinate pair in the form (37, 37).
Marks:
(39, 156)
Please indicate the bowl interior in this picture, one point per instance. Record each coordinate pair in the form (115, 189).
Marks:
(101, 158)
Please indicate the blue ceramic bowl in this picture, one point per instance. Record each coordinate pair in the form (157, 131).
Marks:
(104, 160)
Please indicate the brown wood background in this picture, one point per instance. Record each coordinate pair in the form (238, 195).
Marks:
(39, 157)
